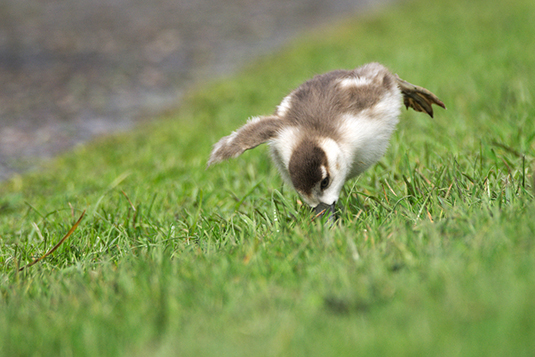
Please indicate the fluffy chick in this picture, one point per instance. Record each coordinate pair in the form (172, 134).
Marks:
(330, 129)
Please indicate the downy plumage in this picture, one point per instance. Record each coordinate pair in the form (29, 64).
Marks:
(330, 129)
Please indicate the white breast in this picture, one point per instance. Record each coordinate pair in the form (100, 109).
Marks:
(365, 136)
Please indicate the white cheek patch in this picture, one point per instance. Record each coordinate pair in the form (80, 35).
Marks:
(338, 168)
(335, 155)
(323, 172)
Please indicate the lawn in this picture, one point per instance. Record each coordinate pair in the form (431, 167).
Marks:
(433, 252)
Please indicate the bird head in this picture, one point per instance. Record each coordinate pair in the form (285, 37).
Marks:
(318, 169)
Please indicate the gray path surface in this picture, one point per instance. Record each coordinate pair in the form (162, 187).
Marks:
(74, 69)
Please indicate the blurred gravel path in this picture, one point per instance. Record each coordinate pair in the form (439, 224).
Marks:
(74, 69)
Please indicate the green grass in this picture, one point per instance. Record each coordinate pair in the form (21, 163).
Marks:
(434, 252)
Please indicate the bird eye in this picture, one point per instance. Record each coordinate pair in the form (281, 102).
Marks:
(324, 183)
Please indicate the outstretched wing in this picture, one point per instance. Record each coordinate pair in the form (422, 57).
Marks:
(257, 131)
(418, 98)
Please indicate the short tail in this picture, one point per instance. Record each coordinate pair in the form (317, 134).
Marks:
(418, 98)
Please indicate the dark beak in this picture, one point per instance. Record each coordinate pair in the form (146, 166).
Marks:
(325, 209)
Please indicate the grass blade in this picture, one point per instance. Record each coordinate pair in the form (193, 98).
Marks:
(73, 228)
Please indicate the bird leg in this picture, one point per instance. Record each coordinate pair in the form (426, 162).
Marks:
(418, 98)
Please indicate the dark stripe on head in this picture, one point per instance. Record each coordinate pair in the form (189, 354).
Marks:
(305, 166)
